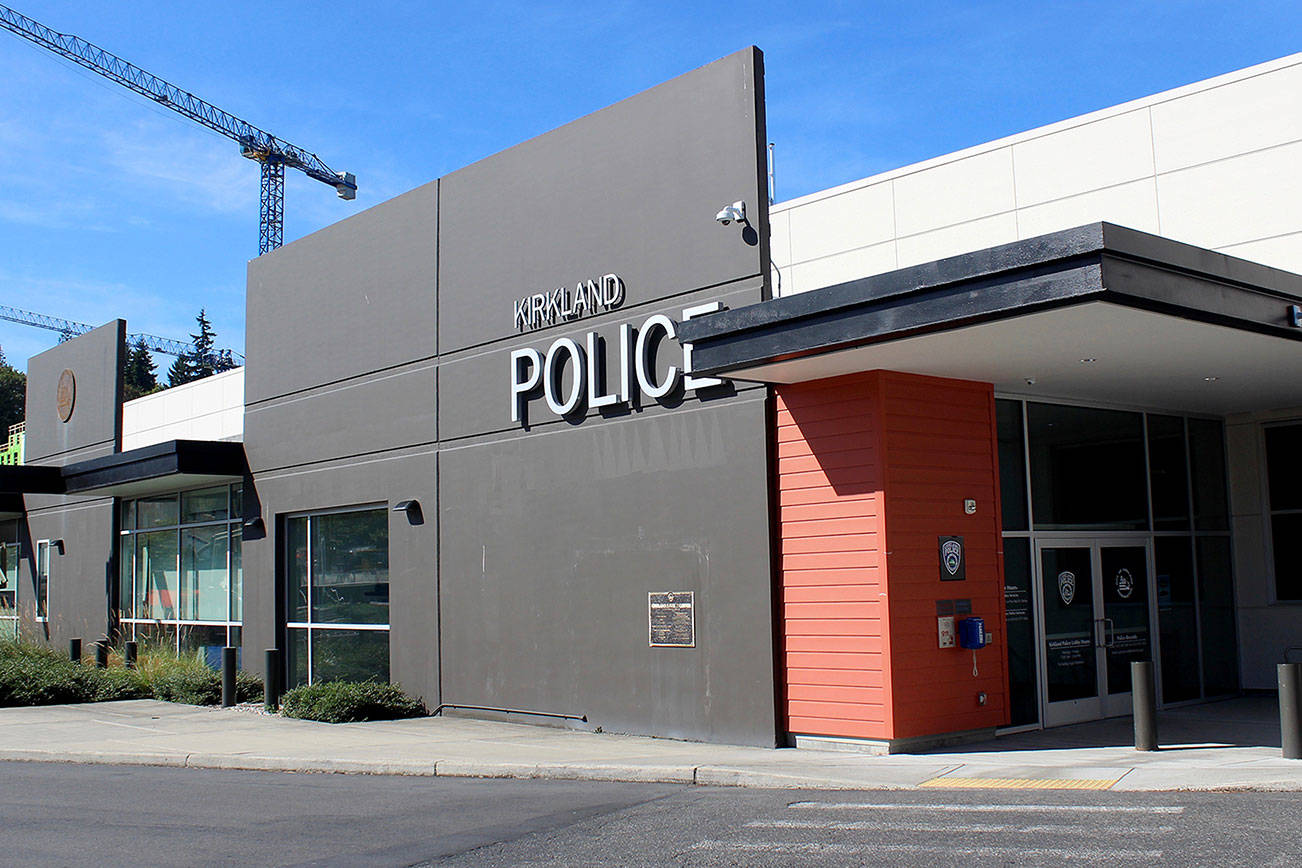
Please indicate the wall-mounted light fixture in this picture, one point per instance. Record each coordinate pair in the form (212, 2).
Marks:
(411, 508)
(255, 524)
(58, 545)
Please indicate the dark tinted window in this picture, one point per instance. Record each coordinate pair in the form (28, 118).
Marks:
(1168, 473)
(1207, 462)
(1216, 608)
(1024, 704)
(1286, 532)
(1087, 468)
(1284, 471)
(1177, 617)
(1284, 466)
(1012, 464)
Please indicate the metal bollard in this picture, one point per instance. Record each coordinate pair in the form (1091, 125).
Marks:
(129, 653)
(101, 654)
(1290, 720)
(271, 680)
(74, 650)
(228, 677)
(1144, 698)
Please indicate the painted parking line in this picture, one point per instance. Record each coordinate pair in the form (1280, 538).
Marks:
(974, 828)
(809, 848)
(1030, 809)
(949, 782)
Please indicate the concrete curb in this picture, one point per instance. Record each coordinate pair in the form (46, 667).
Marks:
(704, 775)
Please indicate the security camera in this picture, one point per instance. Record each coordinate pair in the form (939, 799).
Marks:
(736, 211)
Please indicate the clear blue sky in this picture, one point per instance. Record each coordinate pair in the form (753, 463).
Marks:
(112, 206)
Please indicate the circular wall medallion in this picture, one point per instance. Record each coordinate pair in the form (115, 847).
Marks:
(67, 395)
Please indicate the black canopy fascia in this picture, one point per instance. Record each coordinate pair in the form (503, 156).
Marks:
(1095, 262)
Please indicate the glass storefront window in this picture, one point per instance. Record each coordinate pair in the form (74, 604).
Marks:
(8, 581)
(1216, 616)
(1207, 463)
(1087, 468)
(160, 511)
(209, 504)
(350, 568)
(1092, 472)
(1168, 473)
(156, 575)
(337, 581)
(1012, 464)
(1177, 618)
(204, 573)
(180, 576)
(1284, 472)
(1019, 627)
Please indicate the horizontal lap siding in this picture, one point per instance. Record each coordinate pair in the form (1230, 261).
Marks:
(938, 448)
(835, 642)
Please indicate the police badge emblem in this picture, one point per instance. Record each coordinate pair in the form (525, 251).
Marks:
(1125, 583)
(953, 566)
(1067, 586)
(953, 553)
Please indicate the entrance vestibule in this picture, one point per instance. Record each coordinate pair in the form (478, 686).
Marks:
(1116, 549)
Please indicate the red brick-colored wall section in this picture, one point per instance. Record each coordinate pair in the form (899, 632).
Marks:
(939, 447)
(836, 643)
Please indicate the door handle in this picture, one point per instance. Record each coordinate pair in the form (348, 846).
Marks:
(1109, 633)
(1100, 630)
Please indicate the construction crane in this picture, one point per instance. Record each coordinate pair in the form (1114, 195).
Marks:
(271, 153)
(68, 329)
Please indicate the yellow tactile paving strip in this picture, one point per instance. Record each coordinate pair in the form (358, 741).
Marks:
(1022, 783)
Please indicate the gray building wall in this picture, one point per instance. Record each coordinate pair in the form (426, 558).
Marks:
(82, 572)
(379, 371)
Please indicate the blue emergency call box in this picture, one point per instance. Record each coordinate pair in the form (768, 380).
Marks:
(972, 633)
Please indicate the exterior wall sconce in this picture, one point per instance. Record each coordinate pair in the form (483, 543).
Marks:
(412, 510)
(255, 524)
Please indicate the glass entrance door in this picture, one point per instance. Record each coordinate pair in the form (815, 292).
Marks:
(1097, 618)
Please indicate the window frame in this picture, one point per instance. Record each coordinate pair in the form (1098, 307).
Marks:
(309, 626)
(42, 580)
(1269, 513)
(128, 618)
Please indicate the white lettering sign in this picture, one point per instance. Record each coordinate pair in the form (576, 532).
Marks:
(563, 304)
(590, 384)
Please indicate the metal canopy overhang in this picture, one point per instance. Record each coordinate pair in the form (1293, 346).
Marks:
(1097, 313)
(168, 466)
(11, 505)
(19, 479)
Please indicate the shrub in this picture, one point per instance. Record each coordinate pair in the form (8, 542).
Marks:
(350, 702)
(36, 675)
(192, 681)
(114, 684)
(32, 675)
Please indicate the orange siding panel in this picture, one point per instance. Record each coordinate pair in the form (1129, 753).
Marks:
(830, 506)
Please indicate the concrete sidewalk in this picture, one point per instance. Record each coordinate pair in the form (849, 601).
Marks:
(1227, 745)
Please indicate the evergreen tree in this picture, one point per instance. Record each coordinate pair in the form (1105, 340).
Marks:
(13, 397)
(202, 360)
(138, 368)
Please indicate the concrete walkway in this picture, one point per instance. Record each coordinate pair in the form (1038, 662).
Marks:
(1225, 745)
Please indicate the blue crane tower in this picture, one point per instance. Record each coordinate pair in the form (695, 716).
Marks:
(272, 153)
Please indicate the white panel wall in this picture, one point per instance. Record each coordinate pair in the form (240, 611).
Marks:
(207, 409)
(1217, 164)
(1267, 630)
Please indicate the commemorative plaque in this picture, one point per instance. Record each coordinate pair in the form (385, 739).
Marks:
(66, 395)
(672, 619)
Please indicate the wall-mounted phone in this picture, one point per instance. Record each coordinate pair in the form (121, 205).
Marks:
(972, 633)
